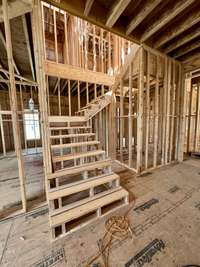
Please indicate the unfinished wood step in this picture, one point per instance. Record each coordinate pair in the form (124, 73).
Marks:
(76, 187)
(78, 155)
(59, 119)
(88, 143)
(59, 128)
(81, 168)
(72, 135)
(64, 215)
(82, 202)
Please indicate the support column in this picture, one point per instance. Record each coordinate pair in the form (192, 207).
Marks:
(13, 105)
(130, 118)
(140, 109)
(183, 91)
(112, 128)
(42, 89)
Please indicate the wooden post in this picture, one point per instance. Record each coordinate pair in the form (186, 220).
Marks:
(22, 109)
(197, 119)
(121, 118)
(173, 95)
(147, 110)
(42, 89)
(95, 91)
(87, 94)
(66, 39)
(167, 112)
(112, 128)
(140, 109)
(55, 35)
(189, 118)
(79, 97)
(130, 119)
(69, 98)
(2, 134)
(182, 115)
(13, 105)
(155, 152)
(164, 111)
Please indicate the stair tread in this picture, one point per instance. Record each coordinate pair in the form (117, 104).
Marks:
(69, 128)
(77, 155)
(79, 169)
(71, 135)
(59, 119)
(82, 185)
(63, 215)
(75, 144)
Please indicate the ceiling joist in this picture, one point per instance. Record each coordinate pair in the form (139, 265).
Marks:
(88, 6)
(116, 12)
(167, 16)
(183, 40)
(182, 25)
(187, 49)
(146, 10)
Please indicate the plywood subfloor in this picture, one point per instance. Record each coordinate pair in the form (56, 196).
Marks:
(173, 219)
(10, 196)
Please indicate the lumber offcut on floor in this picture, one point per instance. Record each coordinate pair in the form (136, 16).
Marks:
(165, 219)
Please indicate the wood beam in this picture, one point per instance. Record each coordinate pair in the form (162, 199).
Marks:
(16, 9)
(182, 115)
(191, 58)
(186, 49)
(4, 44)
(183, 40)
(146, 10)
(140, 110)
(75, 73)
(13, 104)
(88, 6)
(28, 45)
(130, 119)
(42, 87)
(64, 85)
(116, 12)
(56, 86)
(165, 18)
(182, 25)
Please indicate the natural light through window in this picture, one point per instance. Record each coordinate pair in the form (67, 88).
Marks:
(32, 127)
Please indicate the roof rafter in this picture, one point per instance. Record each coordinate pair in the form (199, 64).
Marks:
(2, 38)
(116, 12)
(28, 45)
(165, 18)
(146, 10)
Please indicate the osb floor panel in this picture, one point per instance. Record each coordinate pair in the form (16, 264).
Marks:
(166, 211)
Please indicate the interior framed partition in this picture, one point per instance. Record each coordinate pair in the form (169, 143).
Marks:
(149, 108)
(192, 113)
(73, 41)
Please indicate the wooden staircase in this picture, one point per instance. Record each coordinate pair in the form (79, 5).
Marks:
(95, 106)
(82, 186)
